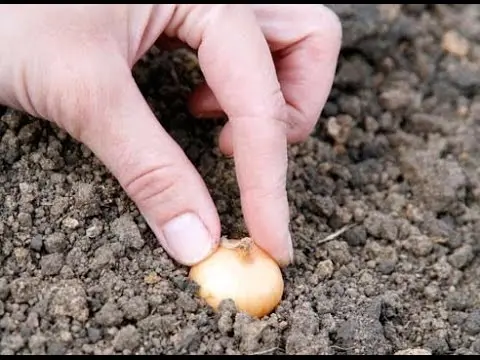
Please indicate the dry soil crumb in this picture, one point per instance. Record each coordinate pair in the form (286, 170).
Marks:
(81, 273)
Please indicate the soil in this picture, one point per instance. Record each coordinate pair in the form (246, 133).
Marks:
(395, 156)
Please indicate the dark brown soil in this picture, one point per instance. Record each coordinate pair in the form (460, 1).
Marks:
(80, 272)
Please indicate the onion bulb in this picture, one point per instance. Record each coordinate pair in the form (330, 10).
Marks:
(240, 271)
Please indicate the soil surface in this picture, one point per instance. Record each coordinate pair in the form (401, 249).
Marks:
(395, 156)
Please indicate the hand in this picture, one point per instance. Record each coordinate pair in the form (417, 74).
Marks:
(71, 64)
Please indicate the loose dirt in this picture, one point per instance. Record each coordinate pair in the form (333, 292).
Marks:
(395, 156)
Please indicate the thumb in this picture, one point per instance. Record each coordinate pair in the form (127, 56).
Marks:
(122, 131)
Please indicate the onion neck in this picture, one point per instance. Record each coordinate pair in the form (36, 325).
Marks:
(243, 246)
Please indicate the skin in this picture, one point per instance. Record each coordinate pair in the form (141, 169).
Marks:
(268, 69)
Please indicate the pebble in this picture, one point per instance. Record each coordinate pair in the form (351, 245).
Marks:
(127, 338)
(454, 43)
(36, 243)
(472, 323)
(56, 242)
(461, 257)
(325, 269)
(51, 264)
(414, 351)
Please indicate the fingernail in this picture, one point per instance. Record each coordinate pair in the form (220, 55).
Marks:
(288, 258)
(188, 239)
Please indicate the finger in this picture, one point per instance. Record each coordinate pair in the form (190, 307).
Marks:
(225, 140)
(293, 33)
(238, 67)
(203, 103)
(306, 41)
(122, 131)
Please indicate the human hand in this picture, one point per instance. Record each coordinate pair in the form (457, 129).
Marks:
(71, 64)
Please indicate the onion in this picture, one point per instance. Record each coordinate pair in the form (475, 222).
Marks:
(242, 272)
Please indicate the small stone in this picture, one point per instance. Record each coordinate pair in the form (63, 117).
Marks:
(456, 317)
(434, 181)
(325, 204)
(386, 257)
(103, 256)
(56, 242)
(65, 336)
(136, 308)
(151, 278)
(186, 302)
(227, 306)
(324, 269)
(338, 252)
(339, 128)
(476, 346)
(371, 125)
(84, 193)
(25, 289)
(69, 299)
(93, 231)
(225, 323)
(183, 338)
(94, 334)
(24, 220)
(22, 255)
(397, 98)
(59, 206)
(32, 320)
(36, 344)
(413, 213)
(431, 291)
(56, 347)
(387, 264)
(109, 315)
(51, 264)
(127, 338)
(356, 236)
(461, 257)
(36, 243)
(13, 118)
(127, 231)
(414, 351)
(70, 223)
(13, 342)
(421, 245)
(381, 226)
(459, 301)
(455, 44)
(472, 323)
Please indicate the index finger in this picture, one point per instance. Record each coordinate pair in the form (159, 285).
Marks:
(238, 67)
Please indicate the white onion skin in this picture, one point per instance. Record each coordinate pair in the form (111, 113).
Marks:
(252, 279)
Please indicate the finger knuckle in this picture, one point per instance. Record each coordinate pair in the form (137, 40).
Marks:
(304, 129)
(301, 126)
(156, 184)
(190, 21)
(273, 106)
(328, 22)
(279, 106)
(217, 10)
